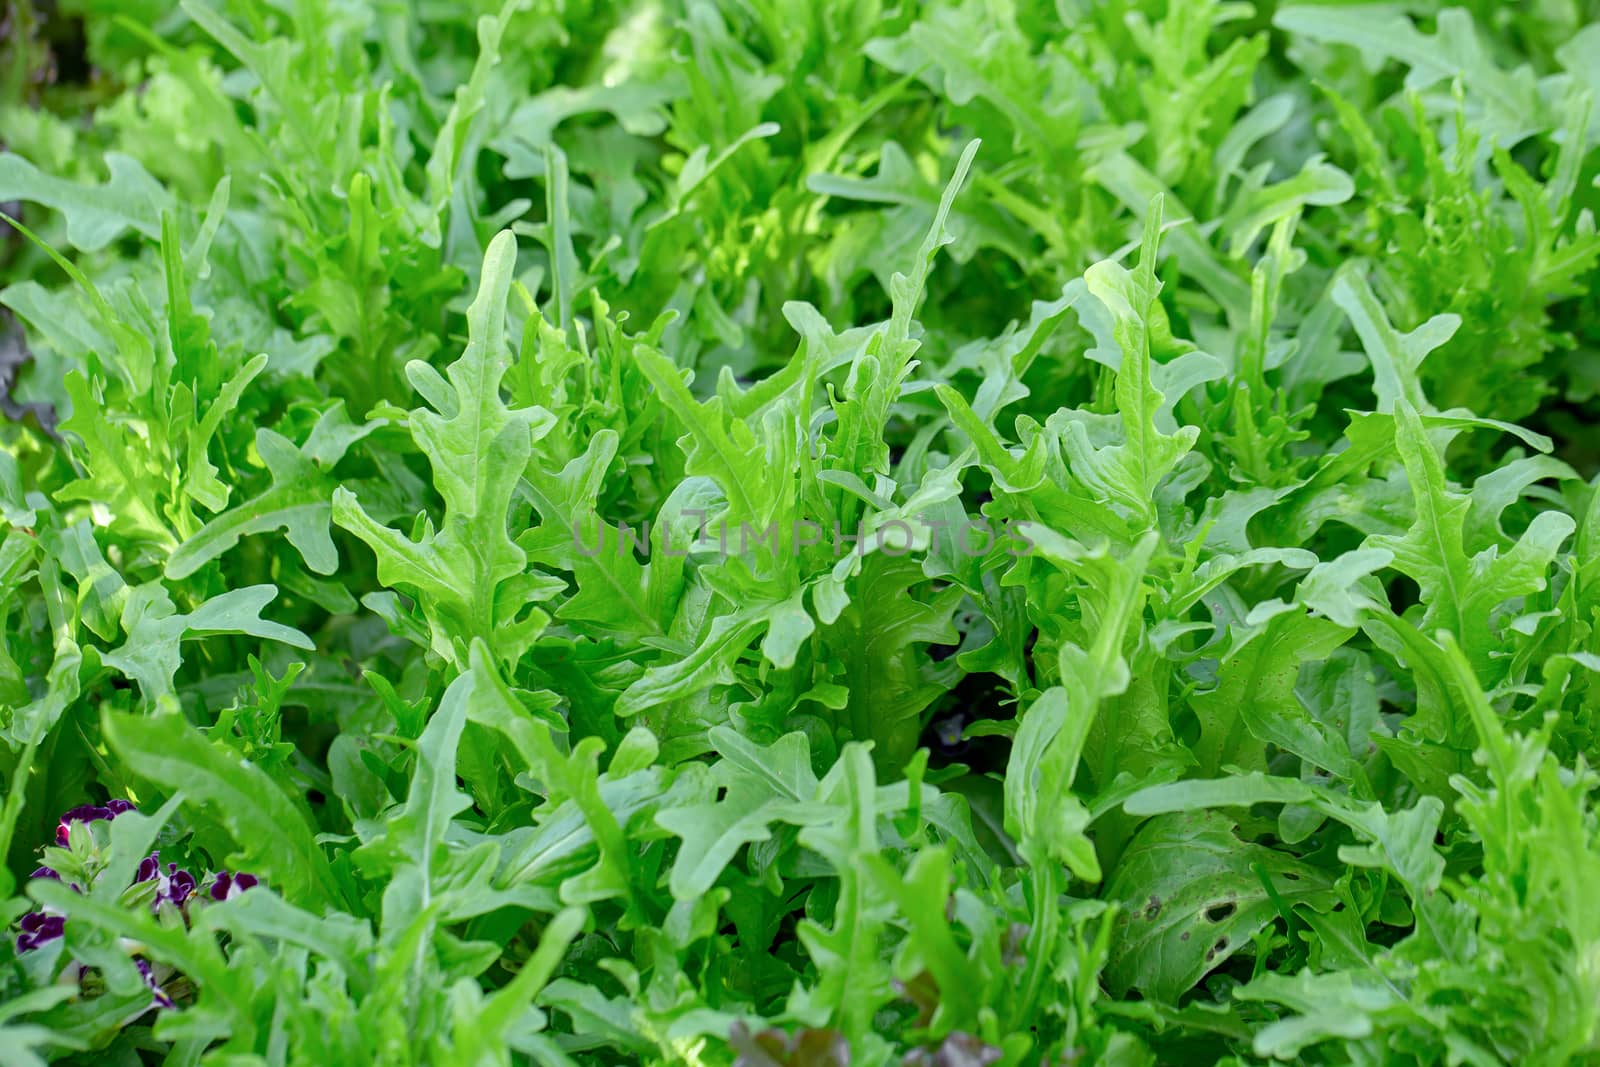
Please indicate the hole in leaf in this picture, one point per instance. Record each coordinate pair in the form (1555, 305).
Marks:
(1219, 911)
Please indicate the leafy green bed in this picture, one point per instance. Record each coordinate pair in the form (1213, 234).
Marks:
(799, 532)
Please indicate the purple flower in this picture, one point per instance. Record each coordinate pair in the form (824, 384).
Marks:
(174, 885)
(89, 813)
(45, 872)
(159, 994)
(180, 884)
(38, 929)
(227, 886)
